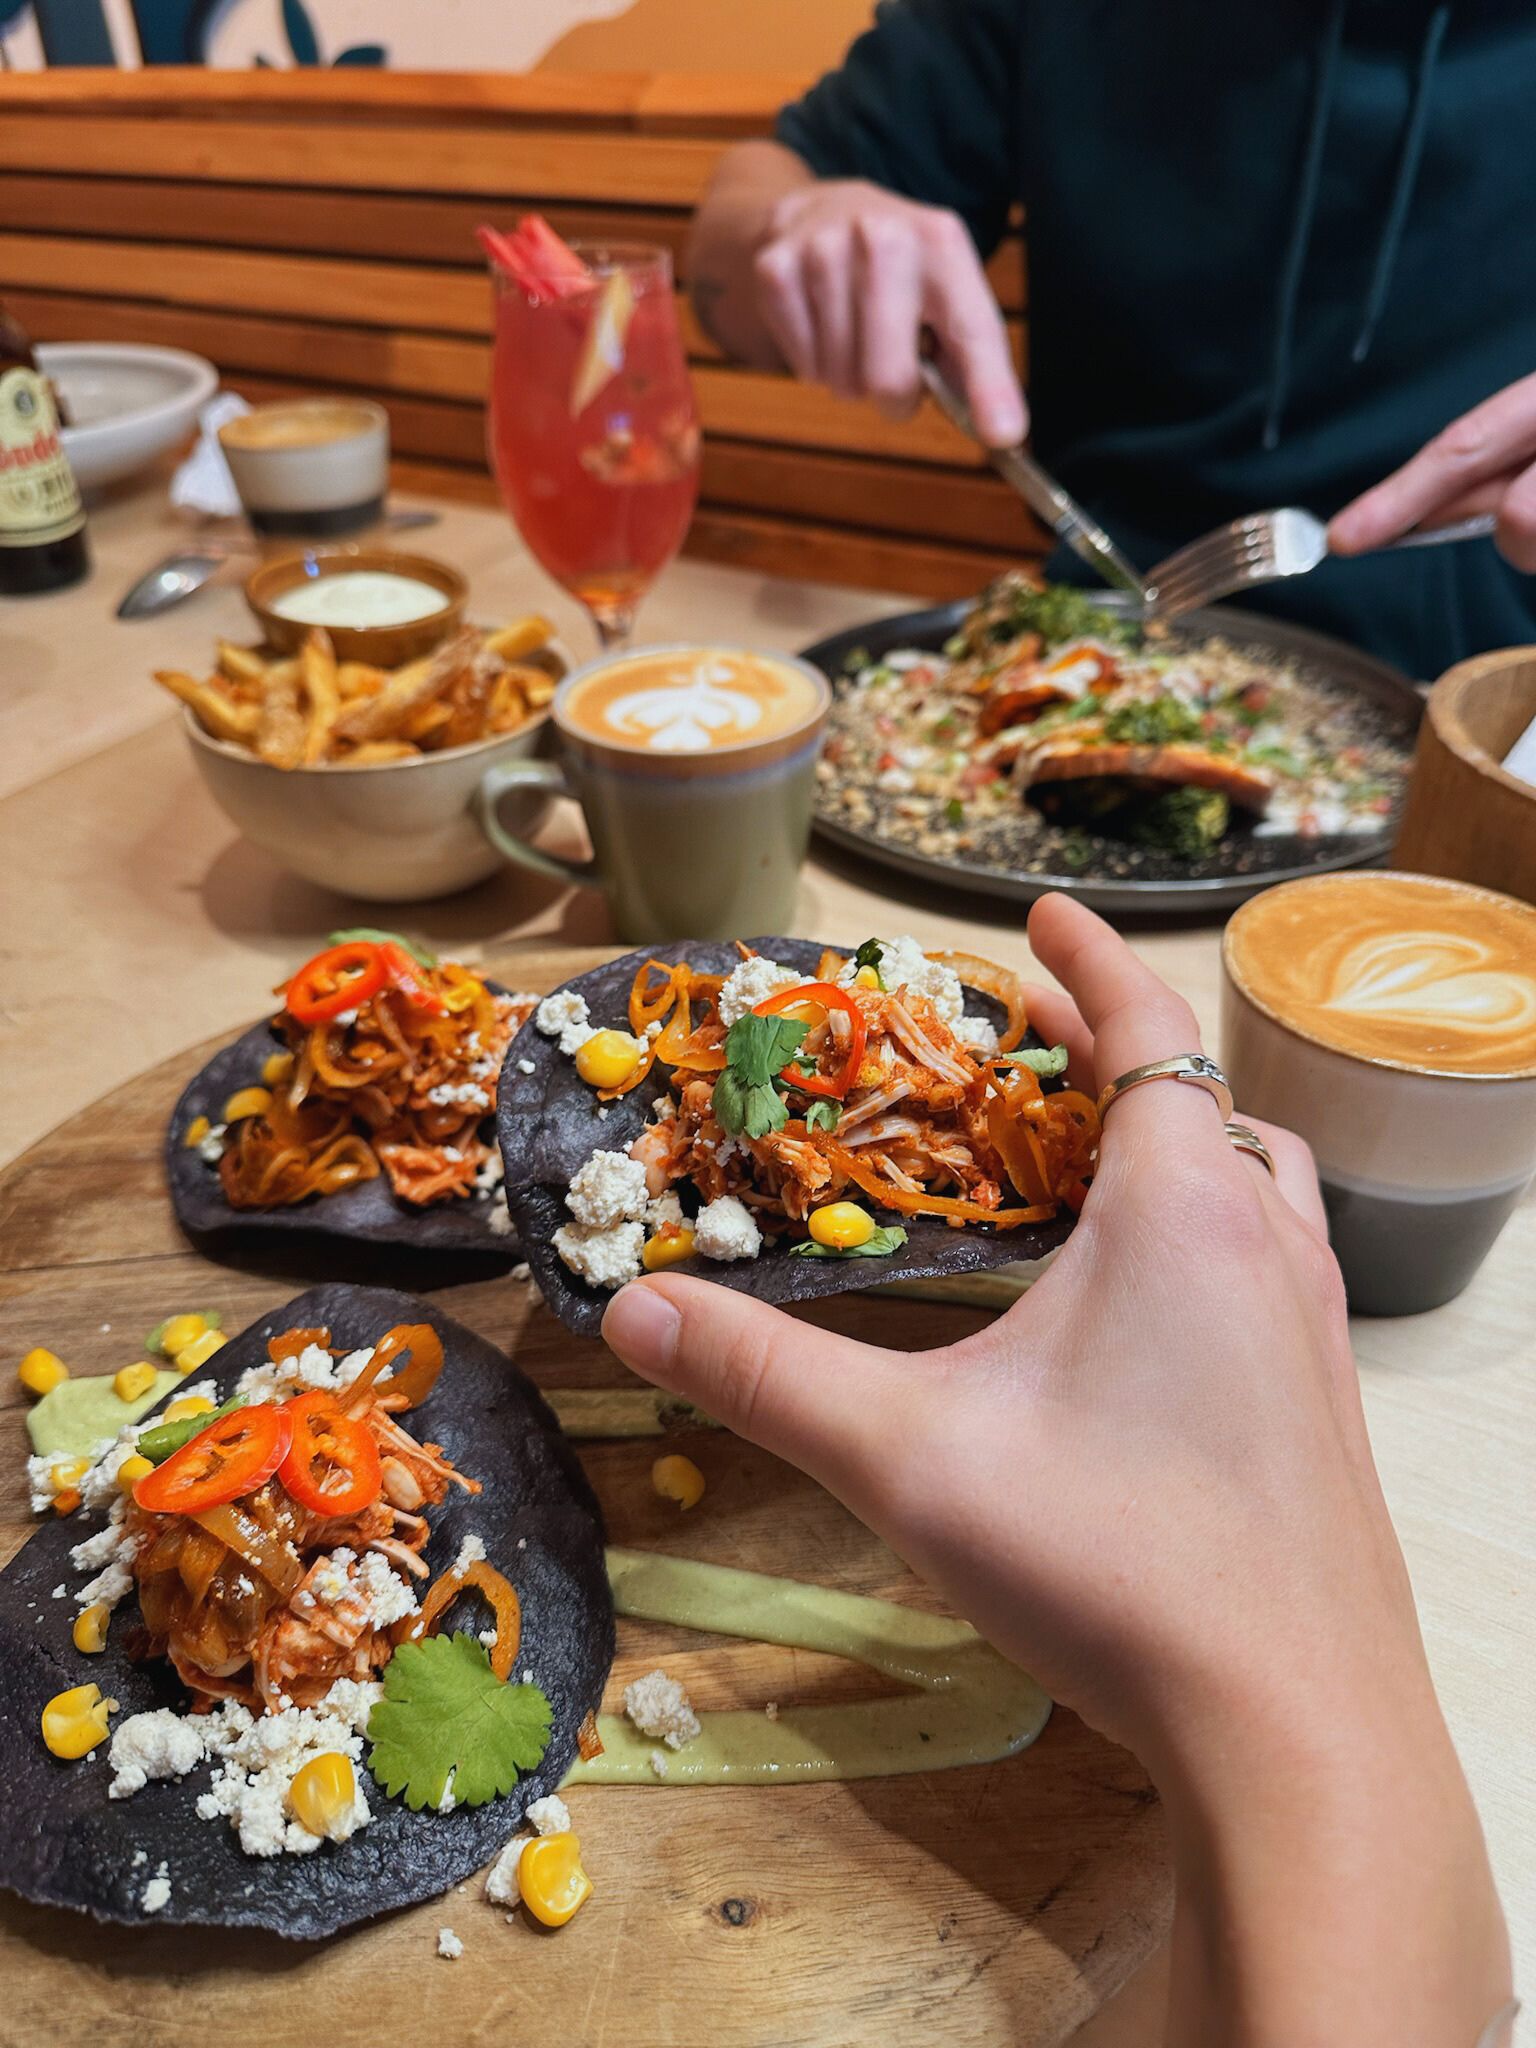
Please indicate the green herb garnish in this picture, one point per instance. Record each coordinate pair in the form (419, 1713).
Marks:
(823, 1116)
(446, 1714)
(1188, 822)
(870, 954)
(369, 934)
(1156, 722)
(1045, 1060)
(954, 812)
(888, 1238)
(757, 1050)
(155, 1341)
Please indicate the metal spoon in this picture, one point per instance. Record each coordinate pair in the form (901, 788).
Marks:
(176, 578)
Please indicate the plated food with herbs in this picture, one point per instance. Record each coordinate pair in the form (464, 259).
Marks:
(789, 1119)
(360, 1111)
(1045, 734)
(242, 1704)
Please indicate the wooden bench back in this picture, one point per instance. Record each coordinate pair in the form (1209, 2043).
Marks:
(313, 230)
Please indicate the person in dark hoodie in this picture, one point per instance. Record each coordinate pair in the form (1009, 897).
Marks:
(1278, 255)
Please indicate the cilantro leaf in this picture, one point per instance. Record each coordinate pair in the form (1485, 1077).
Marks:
(1046, 1061)
(870, 954)
(823, 1116)
(887, 1239)
(418, 952)
(445, 1711)
(757, 1050)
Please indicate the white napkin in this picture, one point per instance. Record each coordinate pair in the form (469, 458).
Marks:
(203, 482)
(1520, 761)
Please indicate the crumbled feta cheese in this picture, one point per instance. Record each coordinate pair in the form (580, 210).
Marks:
(659, 1706)
(772, 1710)
(606, 1189)
(468, 1094)
(550, 1815)
(449, 1945)
(156, 1895)
(490, 1173)
(747, 985)
(39, 1484)
(162, 1744)
(664, 1210)
(564, 1016)
(658, 1763)
(526, 1067)
(603, 1258)
(385, 1594)
(471, 1551)
(313, 1367)
(61, 1591)
(330, 1578)
(210, 1147)
(500, 1223)
(724, 1229)
(113, 1549)
(446, 1801)
(99, 1487)
(501, 1879)
(978, 1035)
(903, 964)
(487, 1637)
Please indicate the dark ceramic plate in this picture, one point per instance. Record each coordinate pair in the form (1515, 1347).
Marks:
(67, 1844)
(1113, 876)
(549, 1124)
(367, 1215)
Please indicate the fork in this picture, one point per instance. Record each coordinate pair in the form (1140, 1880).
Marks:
(1264, 547)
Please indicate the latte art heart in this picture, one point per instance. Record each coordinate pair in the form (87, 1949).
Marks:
(1435, 979)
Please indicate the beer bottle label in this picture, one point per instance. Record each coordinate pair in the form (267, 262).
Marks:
(39, 498)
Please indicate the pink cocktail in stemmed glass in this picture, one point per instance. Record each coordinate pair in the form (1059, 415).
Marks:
(594, 436)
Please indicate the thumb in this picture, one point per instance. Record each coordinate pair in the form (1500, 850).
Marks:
(805, 1394)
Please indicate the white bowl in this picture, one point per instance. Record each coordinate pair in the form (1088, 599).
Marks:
(390, 832)
(126, 404)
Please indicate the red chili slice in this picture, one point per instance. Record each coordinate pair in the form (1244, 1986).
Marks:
(332, 1466)
(825, 997)
(338, 979)
(233, 1456)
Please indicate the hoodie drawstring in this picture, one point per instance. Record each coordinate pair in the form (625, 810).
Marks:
(1410, 154)
(1408, 159)
(1307, 191)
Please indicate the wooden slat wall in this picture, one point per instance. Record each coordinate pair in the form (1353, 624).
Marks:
(315, 230)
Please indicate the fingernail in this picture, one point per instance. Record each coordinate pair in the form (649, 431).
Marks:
(643, 1327)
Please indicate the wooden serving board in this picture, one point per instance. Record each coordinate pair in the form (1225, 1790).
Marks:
(1000, 1904)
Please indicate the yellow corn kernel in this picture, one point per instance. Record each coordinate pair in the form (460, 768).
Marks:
(196, 1131)
(75, 1722)
(198, 1352)
(323, 1792)
(276, 1067)
(133, 1380)
(551, 1880)
(677, 1478)
(131, 1471)
(608, 1059)
(90, 1630)
(841, 1225)
(67, 1473)
(867, 977)
(666, 1248)
(41, 1371)
(177, 1332)
(461, 995)
(189, 1404)
(247, 1102)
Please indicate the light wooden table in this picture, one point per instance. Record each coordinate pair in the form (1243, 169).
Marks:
(135, 921)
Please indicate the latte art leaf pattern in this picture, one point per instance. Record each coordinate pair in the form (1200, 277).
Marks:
(692, 701)
(1435, 978)
(689, 716)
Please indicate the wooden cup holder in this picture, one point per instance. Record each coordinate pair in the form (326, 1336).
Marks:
(1466, 817)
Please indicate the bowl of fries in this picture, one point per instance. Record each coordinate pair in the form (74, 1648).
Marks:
(362, 778)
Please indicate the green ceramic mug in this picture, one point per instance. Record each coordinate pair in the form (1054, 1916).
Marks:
(695, 769)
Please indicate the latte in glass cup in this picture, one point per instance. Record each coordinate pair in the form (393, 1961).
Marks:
(1390, 1019)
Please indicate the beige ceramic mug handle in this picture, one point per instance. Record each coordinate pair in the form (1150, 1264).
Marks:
(545, 776)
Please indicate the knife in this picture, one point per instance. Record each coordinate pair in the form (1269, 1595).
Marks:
(1041, 493)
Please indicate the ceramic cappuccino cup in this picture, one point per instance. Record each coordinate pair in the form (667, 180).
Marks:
(1390, 1020)
(695, 769)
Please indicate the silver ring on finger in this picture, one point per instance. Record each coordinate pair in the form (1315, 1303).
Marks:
(1241, 1139)
(1197, 1068)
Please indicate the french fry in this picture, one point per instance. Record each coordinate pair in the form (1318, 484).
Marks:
(469, 710)
(537, 686)
(426, 720)
(241, 664)
(382, 717)
(519, 637)
(281, 729)
(359, 679)
(508, 707)
(216, 714)
(317, 672)
(380, 750)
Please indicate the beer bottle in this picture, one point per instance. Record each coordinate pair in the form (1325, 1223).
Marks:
(42, 522)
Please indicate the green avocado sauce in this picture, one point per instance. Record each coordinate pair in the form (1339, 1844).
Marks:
(969, 1706)
(81, 1413)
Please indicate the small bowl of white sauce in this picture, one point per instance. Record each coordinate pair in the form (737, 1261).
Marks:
(376, 604)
